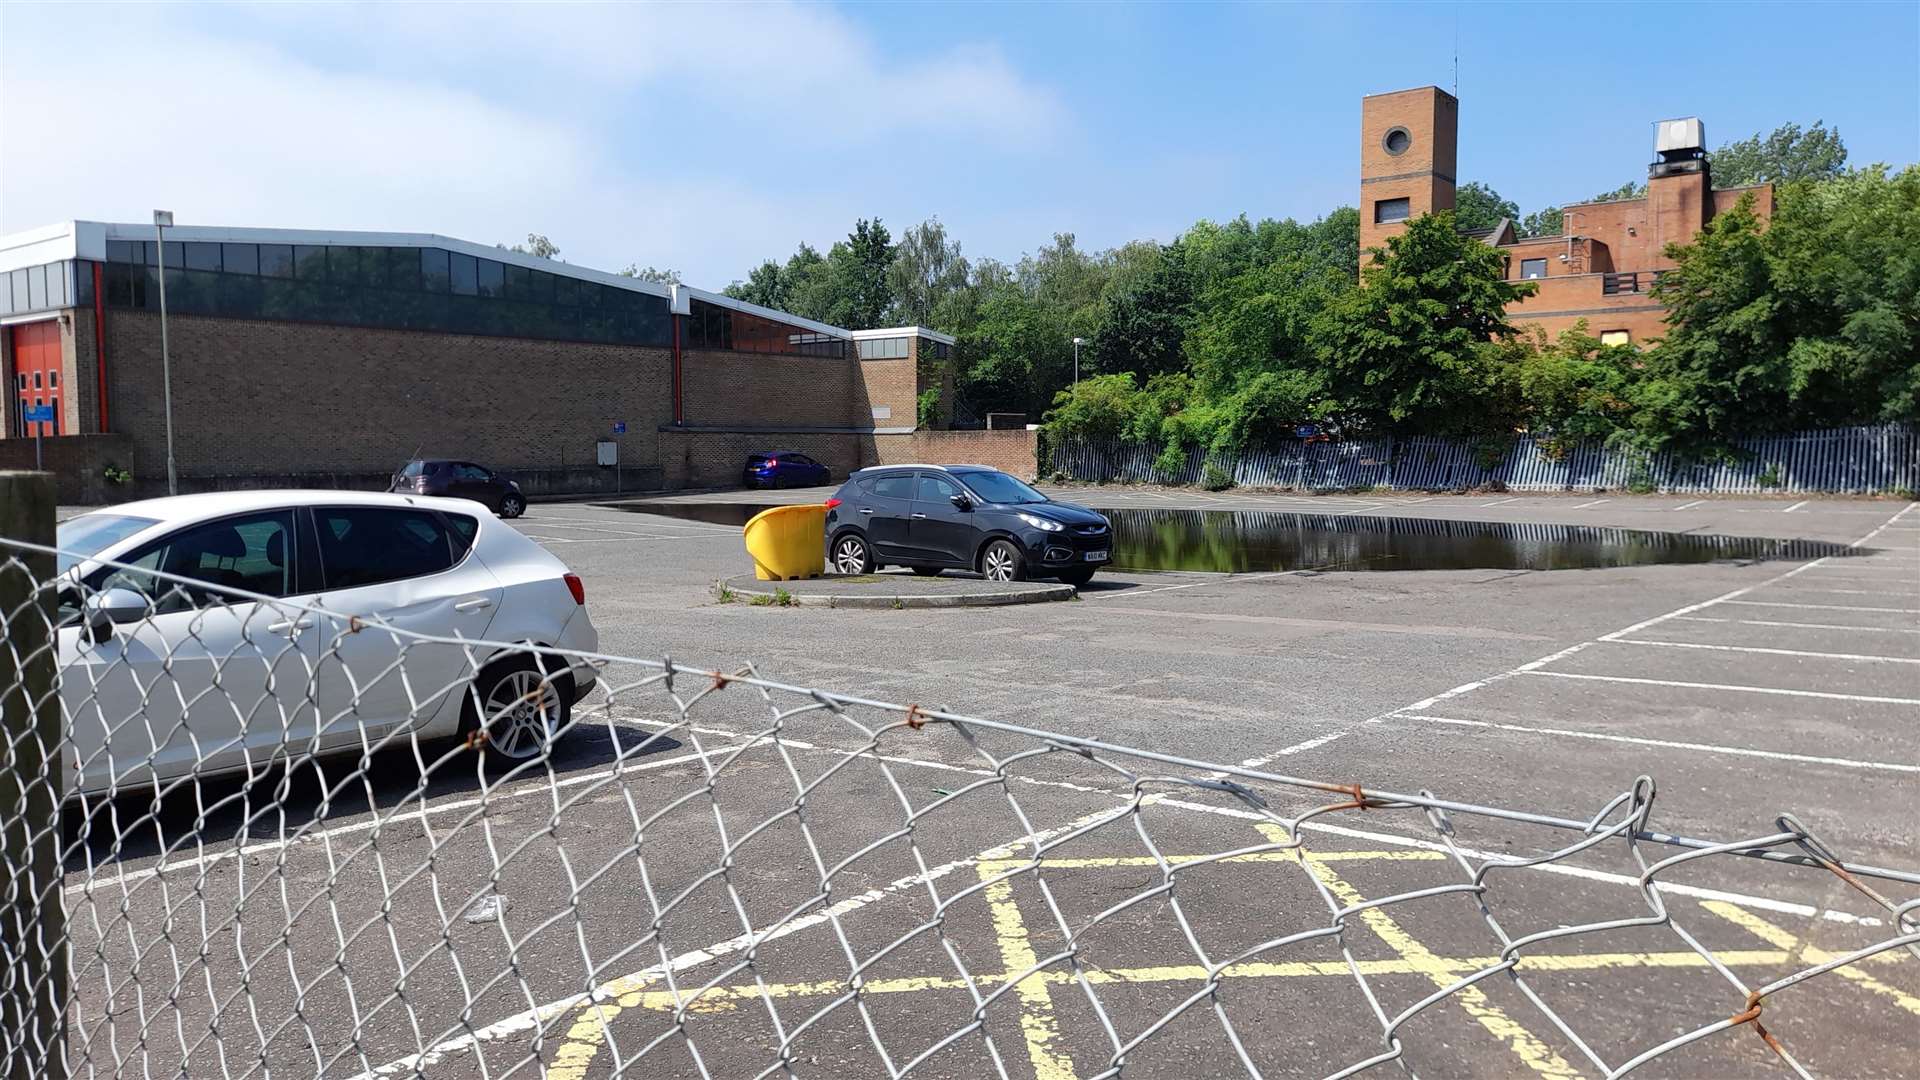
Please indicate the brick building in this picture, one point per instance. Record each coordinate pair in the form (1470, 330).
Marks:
(1601, 267)
(328, 358)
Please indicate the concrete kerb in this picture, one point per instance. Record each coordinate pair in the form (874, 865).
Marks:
(894, 591)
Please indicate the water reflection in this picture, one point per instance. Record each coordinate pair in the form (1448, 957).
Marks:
(1242, 541)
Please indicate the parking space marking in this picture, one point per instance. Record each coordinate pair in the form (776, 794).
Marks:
(1584, 505)
(1771, 652)
(1800, 952)
(1777, 690)
(1038, 1025)
(1537, 1055)
(1501, 502)
(1670, 744)
(1806, 625)
(1214, 580)
(1796, 506)
(1824, 607)
(1688, 506)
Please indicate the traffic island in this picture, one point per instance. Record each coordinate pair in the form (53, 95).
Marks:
(887, 591)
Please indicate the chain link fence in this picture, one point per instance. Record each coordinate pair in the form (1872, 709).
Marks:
(235, 847)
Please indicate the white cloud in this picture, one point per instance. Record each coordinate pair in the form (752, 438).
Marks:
(578, 122)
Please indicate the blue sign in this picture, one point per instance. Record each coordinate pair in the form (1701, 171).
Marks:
(619, 427)
(1306, 431)
(38, 414)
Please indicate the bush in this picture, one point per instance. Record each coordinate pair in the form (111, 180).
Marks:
(927, 412)
(1216, 478)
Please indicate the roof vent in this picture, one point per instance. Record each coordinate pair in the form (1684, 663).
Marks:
(1677, 139)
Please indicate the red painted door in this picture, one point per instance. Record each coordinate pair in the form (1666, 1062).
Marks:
(36, 376)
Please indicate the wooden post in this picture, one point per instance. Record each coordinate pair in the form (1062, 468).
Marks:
(33, 917)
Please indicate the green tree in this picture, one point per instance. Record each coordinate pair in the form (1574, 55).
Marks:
(655, 274)
(1632, 189)
(1477, 206)
(1547, 222)
(1788, 154)
(1810, 321)
(926, 271)
(766, 285)
(538, 246)
(859, 294)
(1407, 350)
(1142, 323)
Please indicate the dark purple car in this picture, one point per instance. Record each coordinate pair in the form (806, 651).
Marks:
(460, 480)
(784, 468)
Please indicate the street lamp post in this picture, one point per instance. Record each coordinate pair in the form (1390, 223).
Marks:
(162, 220)
(1077, 342)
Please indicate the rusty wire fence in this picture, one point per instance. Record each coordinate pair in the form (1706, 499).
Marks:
(243, 841)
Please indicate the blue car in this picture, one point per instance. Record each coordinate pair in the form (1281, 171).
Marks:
(784, 468)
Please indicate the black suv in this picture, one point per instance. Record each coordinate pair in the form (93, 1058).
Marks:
(460, 480)
(966, 517)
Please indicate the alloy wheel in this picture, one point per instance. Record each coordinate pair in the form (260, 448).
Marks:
(999, 563)
(850, 556)
(522, 710)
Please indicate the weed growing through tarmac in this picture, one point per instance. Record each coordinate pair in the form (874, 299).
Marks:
(726, 594)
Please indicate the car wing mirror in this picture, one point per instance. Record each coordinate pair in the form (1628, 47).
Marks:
(960, 502)
(112, 607)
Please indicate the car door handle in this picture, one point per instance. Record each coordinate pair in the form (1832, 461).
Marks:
(288, 626)
(866, 509)
(473, 603)
(919, 516)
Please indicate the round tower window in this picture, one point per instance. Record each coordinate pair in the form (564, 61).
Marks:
(1397, 140)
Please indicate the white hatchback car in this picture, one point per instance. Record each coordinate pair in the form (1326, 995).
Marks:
(205, 634)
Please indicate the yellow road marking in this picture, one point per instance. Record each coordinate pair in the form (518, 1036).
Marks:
(589, 1030)
(1002, 865)
(1780, 937)
(725, 998)
(1537, 1055)
(1037, 1023)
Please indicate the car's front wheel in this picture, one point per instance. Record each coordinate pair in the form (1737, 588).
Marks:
(851, 555)
(516, 710)
(1002, 561)
(512, 504)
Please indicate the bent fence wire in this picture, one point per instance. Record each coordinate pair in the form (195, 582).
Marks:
(1860, 460)
(280, 851)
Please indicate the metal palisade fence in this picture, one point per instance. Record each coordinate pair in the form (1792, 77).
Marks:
(250, 861)
(1859, 460)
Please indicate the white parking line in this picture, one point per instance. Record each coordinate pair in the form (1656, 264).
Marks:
(1796, 506)
(1217, 579)
(1584, 505)
(1709, 748)
(1689, 506)
(1503, 502)
(1771, 652)
(1782, 691)
(1843, 592)
(1806, 625)
(1824, 607)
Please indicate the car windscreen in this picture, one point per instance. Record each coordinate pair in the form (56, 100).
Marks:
(90, 534)
(998, 487)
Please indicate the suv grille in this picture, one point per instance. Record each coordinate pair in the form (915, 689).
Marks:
(1089, 530)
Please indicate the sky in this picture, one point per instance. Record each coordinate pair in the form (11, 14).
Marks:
(706, 138)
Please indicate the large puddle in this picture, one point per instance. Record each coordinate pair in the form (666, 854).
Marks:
(1239, 541)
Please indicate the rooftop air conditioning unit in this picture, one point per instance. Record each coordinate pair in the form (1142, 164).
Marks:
(1678, 136)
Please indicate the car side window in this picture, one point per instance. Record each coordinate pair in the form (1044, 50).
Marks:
(468, 471)
(248, 553)
(462, 530)
(899, 486)
(364, 545)
(801, 459)
(934, 488)
(414, 468)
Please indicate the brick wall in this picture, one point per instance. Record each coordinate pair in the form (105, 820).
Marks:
(77, 463)
(1423, 173)
(892, 385)
(1015, 452)
(738, 389)
(285, 400)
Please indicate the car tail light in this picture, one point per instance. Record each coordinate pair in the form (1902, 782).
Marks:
(831, 503)
(773, 463)
(577, 587)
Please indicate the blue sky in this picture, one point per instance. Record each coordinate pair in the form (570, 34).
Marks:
(705, 138)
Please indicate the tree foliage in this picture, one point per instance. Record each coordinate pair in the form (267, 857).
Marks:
(1477, 206)
(1788, 154)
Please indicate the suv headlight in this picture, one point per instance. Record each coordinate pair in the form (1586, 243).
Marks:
(1043, 524)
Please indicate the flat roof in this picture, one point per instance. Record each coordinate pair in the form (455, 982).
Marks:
(904, 331)
(88, 240)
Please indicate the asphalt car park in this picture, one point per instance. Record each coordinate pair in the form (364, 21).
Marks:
(1744, 689)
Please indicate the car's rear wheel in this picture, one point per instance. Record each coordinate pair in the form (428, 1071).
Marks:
(1002, 561)
(926, 571)
(512, 505)
(1077, 576)
(516, 710)
(851, 555)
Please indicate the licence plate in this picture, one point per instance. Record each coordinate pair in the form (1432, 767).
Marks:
(1096, 556)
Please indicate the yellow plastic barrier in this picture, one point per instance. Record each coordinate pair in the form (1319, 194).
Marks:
(788, 542)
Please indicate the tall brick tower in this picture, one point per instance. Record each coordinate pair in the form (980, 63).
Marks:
(1409, 142)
